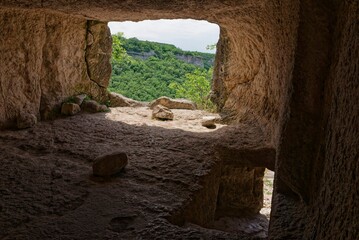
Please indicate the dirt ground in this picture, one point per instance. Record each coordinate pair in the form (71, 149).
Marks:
(47, 190)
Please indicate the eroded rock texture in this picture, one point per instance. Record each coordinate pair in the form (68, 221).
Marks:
(317, 180)
(47, 187)
(254, 63)
(43, 62)
(98, 53)
(21, 64)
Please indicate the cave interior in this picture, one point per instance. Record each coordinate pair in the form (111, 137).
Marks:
(285, 81)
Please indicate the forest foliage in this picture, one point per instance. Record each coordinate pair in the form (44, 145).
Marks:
(160, 72)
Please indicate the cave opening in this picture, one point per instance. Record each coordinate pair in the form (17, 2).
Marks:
(171, 58)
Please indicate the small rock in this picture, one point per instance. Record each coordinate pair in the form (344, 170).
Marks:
(173, 103)
(162, 113)
(118, 100)
(209, 122)
(103, 108)
(90, 106)
(26, 120)
(79, 99)
(70, 109)
(109, 164)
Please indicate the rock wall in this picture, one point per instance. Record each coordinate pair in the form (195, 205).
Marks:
(45, 59)
(317, 184)
(98, 53)
(254, 64)
(21, 44)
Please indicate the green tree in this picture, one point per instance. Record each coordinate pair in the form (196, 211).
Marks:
(148, 78)
(118, 52)
(196, 87)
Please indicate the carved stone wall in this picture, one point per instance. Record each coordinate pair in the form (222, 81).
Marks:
(43, 61)
(317, 183)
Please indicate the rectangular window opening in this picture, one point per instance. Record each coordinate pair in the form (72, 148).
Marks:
(171, 58)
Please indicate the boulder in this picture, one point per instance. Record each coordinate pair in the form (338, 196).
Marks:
(103, 108)
(109, 164)
(209, 122)
(90, 106)
(162, 113)
(70, 109)
(173, 103)
(79, 99)
(118, 100)
(26, 120)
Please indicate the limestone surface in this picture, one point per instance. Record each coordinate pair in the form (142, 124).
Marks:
(91, 106)
(98, 53)
(70, 109)
(49, 65)
(79, 99)
(162, 113)
(209, 122)
(173, 103)
(118, 100)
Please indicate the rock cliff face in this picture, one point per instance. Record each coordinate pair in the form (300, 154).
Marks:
(141, 55)
(198, 61)
(288, 67)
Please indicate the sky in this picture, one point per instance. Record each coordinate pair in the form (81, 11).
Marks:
(187, 34)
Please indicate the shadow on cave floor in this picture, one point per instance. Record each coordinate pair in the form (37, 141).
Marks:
(47, 190)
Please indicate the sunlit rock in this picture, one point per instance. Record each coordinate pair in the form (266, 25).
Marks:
(173, 103)
(162, 113)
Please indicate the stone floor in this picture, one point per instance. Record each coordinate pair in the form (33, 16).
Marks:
(47, 190)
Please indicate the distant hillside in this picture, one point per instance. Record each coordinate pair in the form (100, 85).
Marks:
(145, 70)
(146, 49)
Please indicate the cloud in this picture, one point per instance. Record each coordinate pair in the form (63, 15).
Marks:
(187, 34)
